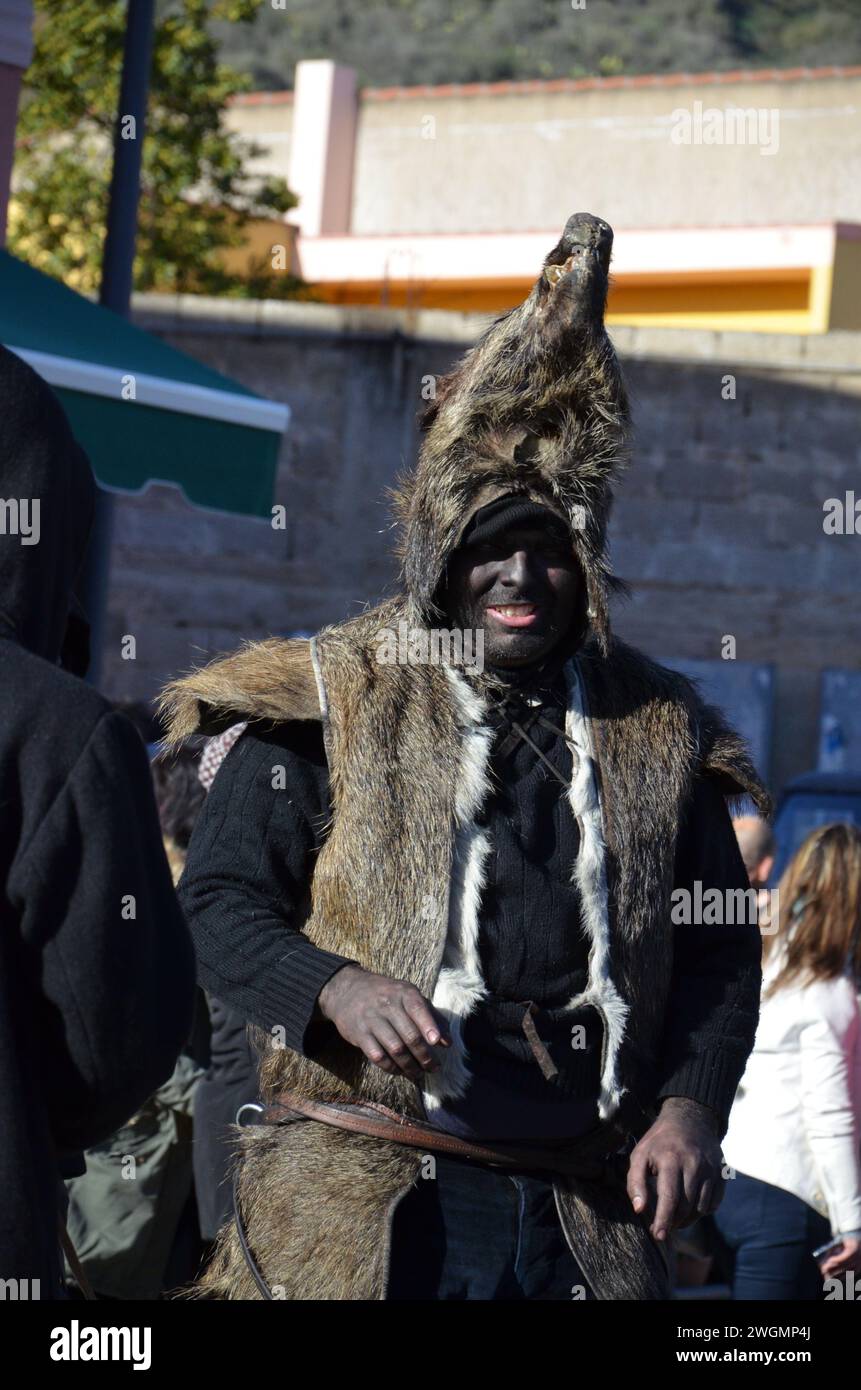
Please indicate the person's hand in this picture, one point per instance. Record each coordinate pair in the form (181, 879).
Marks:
(388, 1020)
(675, 1171)
(846, 1256)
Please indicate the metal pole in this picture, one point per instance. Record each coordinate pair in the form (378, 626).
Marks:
(119, 254)
(117, 270)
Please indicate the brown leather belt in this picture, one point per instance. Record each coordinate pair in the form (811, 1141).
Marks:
(587, 1156)
(593, 1156)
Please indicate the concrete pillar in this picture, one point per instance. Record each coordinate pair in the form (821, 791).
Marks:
(322, 147)
(16, 50)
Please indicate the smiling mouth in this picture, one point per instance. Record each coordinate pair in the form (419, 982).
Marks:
(515, 614)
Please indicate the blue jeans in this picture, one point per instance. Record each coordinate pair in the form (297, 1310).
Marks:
(772, 1234)
(480, 1234)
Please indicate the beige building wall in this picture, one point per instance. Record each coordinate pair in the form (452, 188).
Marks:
(509, 162)
(267, 119)
(523, 157)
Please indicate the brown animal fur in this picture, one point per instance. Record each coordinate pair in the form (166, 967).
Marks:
(317, 1206)
(268, 676)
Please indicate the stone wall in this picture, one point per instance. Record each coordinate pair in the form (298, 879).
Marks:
(718, 525)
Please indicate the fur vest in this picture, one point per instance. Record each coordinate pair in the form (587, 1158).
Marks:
(397, 887)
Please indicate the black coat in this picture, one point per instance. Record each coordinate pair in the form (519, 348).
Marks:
(96, 965)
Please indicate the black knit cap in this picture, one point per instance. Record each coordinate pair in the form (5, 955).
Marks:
(505, 512)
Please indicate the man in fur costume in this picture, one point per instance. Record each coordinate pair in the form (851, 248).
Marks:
(495, 1065)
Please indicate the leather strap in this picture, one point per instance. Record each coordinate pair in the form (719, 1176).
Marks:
(584, 1157)
(549, 1069)
(248, 1257)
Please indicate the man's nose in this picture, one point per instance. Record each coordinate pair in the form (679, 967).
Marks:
(517, 568)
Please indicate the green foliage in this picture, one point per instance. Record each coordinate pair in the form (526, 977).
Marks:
(796, 33)
(196, 196)
(409, 42)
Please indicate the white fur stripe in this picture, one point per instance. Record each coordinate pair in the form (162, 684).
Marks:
(590, 875)
(460, 986)
(323, 697)
(318, 676)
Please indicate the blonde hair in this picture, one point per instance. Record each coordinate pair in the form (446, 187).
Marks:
(821, 892)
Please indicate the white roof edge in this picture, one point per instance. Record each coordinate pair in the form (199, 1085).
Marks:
(184, 397)
(472, 257)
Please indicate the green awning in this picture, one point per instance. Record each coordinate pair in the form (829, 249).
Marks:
(143, 411)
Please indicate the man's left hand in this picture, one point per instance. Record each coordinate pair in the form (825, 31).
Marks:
(675, 1170)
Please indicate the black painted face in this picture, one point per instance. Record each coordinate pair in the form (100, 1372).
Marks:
(524, 588)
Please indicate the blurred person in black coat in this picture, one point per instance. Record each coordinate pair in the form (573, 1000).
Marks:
(96, 965)
(231, 1077)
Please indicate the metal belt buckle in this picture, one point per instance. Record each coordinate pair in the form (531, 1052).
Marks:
(249, 1105)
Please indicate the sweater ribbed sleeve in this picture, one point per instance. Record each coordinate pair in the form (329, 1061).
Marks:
(245, 886)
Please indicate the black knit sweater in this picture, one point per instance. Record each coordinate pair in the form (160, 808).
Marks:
(534, 953)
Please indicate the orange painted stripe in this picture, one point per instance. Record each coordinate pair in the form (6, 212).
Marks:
(569, 84)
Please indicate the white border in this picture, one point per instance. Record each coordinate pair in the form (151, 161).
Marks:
(181, 396)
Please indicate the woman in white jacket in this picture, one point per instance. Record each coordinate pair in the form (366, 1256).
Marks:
(794, 1139)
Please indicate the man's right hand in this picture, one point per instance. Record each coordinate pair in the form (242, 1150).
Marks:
(388, 1020)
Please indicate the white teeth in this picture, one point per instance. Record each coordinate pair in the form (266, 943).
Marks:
(554, 273)
(516, 610)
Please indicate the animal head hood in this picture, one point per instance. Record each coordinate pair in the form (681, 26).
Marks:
(538, 407)
(48, 500)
